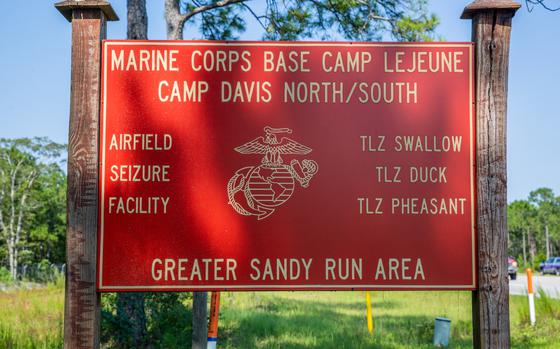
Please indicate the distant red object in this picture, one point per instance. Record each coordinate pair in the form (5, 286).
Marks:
(512, 268)
(286, 165)
(512, 261)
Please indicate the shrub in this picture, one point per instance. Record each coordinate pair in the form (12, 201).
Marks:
(5, 276)
(539, 258)
(168, 321)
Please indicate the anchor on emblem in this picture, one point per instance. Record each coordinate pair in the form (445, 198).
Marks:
(259, 190)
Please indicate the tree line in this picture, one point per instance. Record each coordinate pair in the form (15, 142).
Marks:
(32, 203)
(534, 228)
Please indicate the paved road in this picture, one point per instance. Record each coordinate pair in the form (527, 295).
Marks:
(550, 284)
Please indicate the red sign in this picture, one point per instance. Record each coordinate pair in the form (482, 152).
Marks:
(286, 165)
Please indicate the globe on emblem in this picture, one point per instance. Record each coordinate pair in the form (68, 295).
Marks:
(271, 185)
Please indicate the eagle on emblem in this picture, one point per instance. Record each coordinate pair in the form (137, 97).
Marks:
(272, 148)
(258, 190)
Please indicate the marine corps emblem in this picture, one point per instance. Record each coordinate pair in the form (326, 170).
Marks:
(258, 190)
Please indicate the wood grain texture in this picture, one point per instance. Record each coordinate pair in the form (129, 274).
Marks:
(82, 302)
(491, 34)
(200, 322)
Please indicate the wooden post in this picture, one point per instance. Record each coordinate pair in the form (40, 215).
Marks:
(491, 26)
(200, 322)
(82, 302)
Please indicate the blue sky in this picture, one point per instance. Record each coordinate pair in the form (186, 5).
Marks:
(35, 79)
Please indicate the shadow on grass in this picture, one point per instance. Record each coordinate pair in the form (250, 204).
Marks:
(304, 324)
(290, 304)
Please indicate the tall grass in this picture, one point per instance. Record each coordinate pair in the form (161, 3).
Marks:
(546, 332)
(289, 320)
(32, 319)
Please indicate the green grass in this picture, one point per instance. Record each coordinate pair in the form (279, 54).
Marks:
(33, 319)
(337, 320)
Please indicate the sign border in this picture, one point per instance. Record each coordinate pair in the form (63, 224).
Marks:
(184, 288)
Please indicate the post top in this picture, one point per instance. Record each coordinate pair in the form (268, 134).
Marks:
(481, 5)
(66, 8)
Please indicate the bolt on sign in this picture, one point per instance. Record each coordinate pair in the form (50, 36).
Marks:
(284, 166)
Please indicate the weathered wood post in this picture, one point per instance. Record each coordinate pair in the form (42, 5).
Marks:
(82, 302)
(491, 26)
(200, 322)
